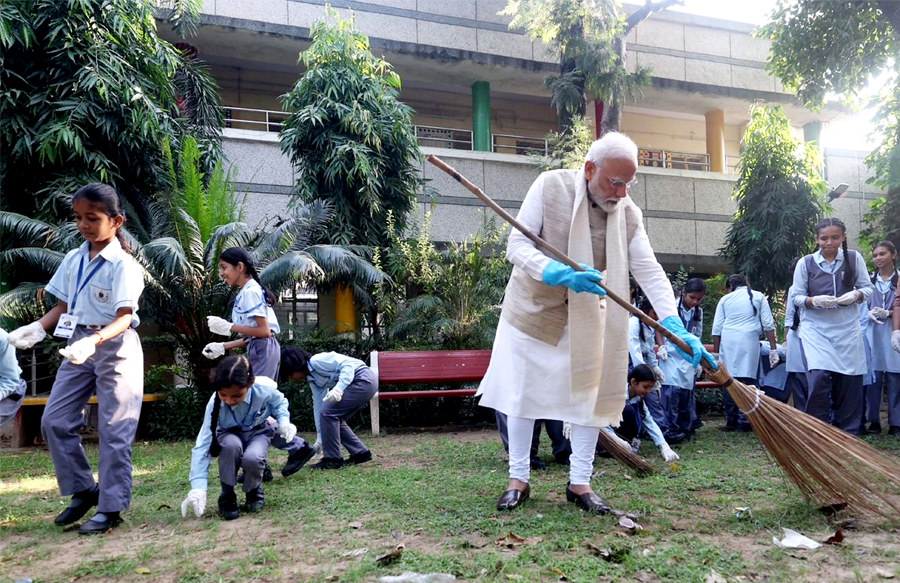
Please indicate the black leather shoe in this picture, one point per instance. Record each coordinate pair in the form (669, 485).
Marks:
(297, 460)
(894, 430)
(100, 523)
(256, 499)
(360, 458)
(562, 459)
(512, 499)
(228, 506)
(538, 464)
(79, 506)
(589, 501)
(328, 463)
(874, 428)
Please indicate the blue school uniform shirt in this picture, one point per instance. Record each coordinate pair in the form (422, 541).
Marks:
(739, 329)
(650, 425)
(884, 358)
(680, 372)
(796, 361)
(263, 400)
(330, 370)
(641, 351)
(249, 304)
(109, 281)
(832, 338)
(10, 373)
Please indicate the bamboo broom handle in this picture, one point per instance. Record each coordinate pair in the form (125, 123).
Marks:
(560, 255)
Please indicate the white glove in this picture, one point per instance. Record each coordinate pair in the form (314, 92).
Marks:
(895, 340)
(287, 431)
(662, 353)
(567, 430)
(823, 302)
(667, 453)
(659, 374)
(878, 315)
(196, 501)
(80, 351)
(27, 336)
(334, 395)
(850, 298)
(773, 358)
(698, 372)
(214, 350)
(219, 325)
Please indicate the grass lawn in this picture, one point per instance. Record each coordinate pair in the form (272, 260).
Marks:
(436, 494)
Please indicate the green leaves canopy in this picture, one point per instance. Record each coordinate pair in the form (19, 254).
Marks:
(349, 137)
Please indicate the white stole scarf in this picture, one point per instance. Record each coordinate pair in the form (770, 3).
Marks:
(598, 335)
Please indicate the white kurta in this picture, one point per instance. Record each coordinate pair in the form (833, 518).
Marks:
(530, 378)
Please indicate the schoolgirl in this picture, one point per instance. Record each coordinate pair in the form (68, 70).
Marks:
(795, 360)
(885, 361)
(346, 385)
(235, 430)
(678, 387)
(642, 350)
(12, 387)
(97, 287)
(742, 315)
(830, 284)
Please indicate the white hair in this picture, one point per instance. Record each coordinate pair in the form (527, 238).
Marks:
(612, 145)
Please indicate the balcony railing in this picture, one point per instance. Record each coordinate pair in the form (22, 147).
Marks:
(261, 120)
(674, 160)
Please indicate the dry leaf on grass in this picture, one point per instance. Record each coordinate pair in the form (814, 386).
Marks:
(512, 540)
(355, 552)
(355, 525)
(884, 573)
(142, 571)
(560, 574)
(391, 556)
(331, 578)
(835, 539)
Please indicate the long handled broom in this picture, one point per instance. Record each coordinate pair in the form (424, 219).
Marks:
(829, 466)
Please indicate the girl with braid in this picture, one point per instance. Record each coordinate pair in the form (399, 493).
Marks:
(886, 362)
(235, 430)
(741, 317)
(830, 284)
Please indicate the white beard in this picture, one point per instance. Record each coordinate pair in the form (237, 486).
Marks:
(608, 205)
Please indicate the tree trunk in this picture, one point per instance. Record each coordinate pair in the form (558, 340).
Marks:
(567, 64)
(612, 110)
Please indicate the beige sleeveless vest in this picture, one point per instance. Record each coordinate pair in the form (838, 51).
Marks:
(534, 307)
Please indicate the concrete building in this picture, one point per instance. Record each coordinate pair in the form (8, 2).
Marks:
(481, 104)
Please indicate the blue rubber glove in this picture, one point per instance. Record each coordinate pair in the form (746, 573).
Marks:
(558, 273)
(676, 326)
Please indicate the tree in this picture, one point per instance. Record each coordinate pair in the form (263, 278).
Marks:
(589, 37)
(89, 92)
(824, 48)
(349, 137)
(190, 225)
(780, 197)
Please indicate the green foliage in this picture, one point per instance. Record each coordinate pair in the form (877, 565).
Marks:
(456, 296)
(180, 414)
(882, 221)
(780, 200)
(567, 149)
(89, 92)
(349, 137)
(715, 290)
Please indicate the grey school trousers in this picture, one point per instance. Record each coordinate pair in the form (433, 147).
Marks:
(837, 398)
(245, 449)
(333, 416)
(116, 373)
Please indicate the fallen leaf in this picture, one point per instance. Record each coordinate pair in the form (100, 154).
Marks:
(674, 467)
(714, 577)
(560, 574)
(391, 556)
(883, 573)
(355, 552)
(355, 525)
(626, 476)
(631, 525)
(835, 539)
(142, 570)
(331, 578)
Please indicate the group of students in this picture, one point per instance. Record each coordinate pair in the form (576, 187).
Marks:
(97, 287)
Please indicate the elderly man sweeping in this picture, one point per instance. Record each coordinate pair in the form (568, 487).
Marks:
(560, 352)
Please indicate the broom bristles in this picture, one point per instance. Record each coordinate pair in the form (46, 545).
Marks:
(828, 465)
(625, 454)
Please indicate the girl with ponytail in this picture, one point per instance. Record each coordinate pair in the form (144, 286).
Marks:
(885, 362)
(236, 430)
(741, 317)
(830, 284)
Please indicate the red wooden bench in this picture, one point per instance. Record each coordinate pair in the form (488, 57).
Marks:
(433, 366)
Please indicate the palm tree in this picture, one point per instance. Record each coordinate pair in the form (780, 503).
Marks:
(178, 250)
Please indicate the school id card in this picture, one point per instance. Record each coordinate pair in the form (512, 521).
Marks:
(65, 328)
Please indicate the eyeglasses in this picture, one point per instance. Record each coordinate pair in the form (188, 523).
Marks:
(617, 184)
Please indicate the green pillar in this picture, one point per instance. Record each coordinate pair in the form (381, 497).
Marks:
(481, 116)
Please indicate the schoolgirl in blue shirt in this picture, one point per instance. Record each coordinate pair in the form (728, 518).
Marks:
(235, 430)
(885, 361)
(795, 360)
(97, 287)
(344, 384)
(830, 284)
(12, 387)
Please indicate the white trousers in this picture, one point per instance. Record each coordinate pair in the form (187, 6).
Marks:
(581, 462)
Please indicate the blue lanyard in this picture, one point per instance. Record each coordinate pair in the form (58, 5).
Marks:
(79, 286)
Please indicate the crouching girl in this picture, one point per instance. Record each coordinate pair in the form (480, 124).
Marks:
(237, 414)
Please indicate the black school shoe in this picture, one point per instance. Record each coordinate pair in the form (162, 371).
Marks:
(873, 428)
(100, 523)
(228, 506)
(894, 430)
(256, 499)
(328, 463)
(360, 458)
(79, 506)
(297, 460)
